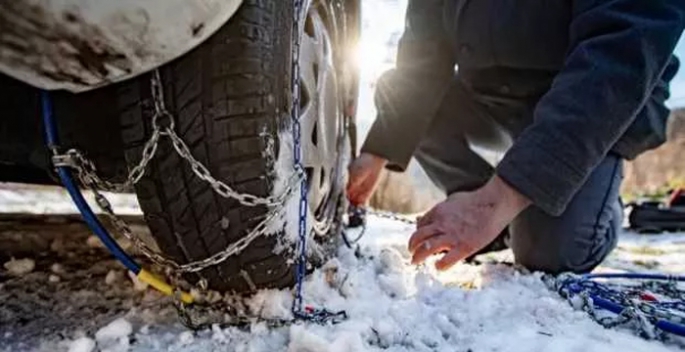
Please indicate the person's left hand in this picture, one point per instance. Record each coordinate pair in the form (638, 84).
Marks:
(465, 223)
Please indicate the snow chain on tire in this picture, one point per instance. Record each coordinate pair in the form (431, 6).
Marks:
(163, 126)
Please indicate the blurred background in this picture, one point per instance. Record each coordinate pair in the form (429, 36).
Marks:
(650, 175)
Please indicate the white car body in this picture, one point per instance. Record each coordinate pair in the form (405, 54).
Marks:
(79, 45)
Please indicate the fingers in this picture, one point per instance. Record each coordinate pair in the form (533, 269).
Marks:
(354, 188)
(363, 176)
(452, 257)
(431, 246)
(421, 234)
(357, 176)
(360, 193)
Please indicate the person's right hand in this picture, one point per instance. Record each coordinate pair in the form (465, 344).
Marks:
(364, 173)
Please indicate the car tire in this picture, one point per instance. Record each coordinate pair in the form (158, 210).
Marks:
(230, 98)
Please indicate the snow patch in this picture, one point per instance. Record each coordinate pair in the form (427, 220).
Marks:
(117, 329)
(83, 344)
(185, 338)
(271, 304)
(285, 169)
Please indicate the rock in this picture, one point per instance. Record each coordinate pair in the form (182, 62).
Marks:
(83, 344)
(94, 242)
(53, 278)
(57, 268)
(20, 267)
(113, 276)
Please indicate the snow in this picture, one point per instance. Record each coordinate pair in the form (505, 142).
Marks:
(83, 344)
(17, 198)
(391, 305)
(115, 336)
(114, 330)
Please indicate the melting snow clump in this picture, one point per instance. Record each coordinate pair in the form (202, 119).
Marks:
(114, 330)
(83, 344)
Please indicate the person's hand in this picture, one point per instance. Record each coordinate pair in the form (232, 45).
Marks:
(465, 223)
(364, 173)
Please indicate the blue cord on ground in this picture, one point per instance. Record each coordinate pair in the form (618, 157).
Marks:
(601, 296)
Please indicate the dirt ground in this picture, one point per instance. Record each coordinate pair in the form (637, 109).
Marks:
(75, 285)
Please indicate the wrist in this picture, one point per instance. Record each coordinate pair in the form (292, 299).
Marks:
(511, 200)
(377, 161)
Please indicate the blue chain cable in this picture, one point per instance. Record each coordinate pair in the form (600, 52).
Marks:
(613, 300)
(297, 156)
(307, 313)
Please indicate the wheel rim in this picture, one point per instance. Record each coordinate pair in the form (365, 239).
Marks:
(321, 121)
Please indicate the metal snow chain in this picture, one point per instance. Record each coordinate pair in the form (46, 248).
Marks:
(192, 267)
(87, 174)
(641, 315)
(198, 168)
(200, 316)
(392, 216)
(357, 218)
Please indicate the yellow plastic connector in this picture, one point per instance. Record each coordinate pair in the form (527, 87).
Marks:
(161, 286)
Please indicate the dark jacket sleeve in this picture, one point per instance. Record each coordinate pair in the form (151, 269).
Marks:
(619, 50)
(408, 96)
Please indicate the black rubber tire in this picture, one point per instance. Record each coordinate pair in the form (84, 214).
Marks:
(225, 95)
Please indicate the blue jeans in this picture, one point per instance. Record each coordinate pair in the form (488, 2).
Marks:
(577, 240)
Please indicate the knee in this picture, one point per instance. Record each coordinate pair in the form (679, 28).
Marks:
(551, 245)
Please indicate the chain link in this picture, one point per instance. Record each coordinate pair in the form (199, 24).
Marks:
(156, 257)
(300, 270)
(391, 216)
(640, 314)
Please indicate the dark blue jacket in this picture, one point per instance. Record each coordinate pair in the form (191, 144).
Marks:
(597, 70)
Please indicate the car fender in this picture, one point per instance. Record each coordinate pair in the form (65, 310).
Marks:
(78, 45)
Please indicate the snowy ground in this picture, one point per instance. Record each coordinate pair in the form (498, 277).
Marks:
(76, 298)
